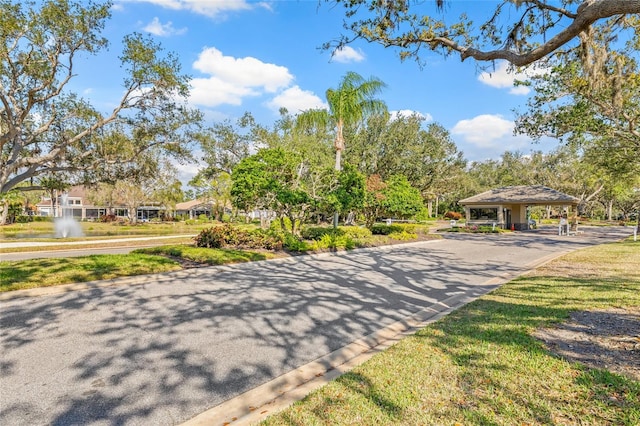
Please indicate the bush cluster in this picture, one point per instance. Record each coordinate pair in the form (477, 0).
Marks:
(230, 236)
(403, 236)
(474, 229)
(317, 233)
(381, 229)
(334, 242)
(356, 232)
(107, 218)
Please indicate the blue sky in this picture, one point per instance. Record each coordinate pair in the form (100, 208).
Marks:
(260, 56)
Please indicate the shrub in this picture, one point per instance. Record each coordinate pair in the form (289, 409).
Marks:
(203, 218)
(230, 236)
(380, 229)
(293, 243)
(317, 232)
(355, 232)
(403, 236)
(259, 239)
(211, 238)
(334, 242)
(107, 218)
(453, 215)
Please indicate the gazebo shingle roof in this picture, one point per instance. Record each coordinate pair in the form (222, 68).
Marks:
(535, 194)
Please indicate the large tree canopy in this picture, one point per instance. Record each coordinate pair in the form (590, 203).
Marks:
(590, 97)
(519, 31)
(45, 129)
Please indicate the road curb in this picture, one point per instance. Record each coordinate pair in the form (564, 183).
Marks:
(277, 394)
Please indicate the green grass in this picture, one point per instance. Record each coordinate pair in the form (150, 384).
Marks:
(481, 366)
(97, 244)
(24, 274)
(206, 255)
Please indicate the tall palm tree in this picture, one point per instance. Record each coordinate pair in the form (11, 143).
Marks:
(350, 104)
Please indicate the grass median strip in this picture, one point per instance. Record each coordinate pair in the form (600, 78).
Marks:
(206, 255)
(24, 274)
(482, 365)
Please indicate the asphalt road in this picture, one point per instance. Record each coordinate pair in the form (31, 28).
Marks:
(163, 351)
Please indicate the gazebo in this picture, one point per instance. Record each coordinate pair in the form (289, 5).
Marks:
(507, 207)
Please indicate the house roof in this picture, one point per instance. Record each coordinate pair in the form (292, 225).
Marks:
(188, 205)
(536, 194)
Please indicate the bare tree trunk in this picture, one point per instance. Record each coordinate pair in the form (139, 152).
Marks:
(610, 210)
(5, 212)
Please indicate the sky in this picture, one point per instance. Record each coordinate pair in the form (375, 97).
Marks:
(261, 56)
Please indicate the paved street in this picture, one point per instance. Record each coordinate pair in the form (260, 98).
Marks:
(163, 351)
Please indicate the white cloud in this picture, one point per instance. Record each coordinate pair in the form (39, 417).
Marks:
(231, 79)
(485, 131)
(156, 27)
(296, 100)
(347, 55)
(248, 72)
(187, 171)
(210, 8)
(408, 113)
(213, 91)
(502, 78)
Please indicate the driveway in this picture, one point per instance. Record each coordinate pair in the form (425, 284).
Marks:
(165, 350)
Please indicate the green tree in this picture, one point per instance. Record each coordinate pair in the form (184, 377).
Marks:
(521, 32)
(54, 186)
(45, 129)
(225, 144)
(590, 98)
(427, 157)
(374, 196)
(394, 198)
(214, 190)
(349, 104)
(273, 179)
(7, 201)
(401, 200)
(348, 195)
(168, 196)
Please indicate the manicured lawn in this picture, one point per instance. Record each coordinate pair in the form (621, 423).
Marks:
(206, 255)
(482, 366)
(23, 274)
